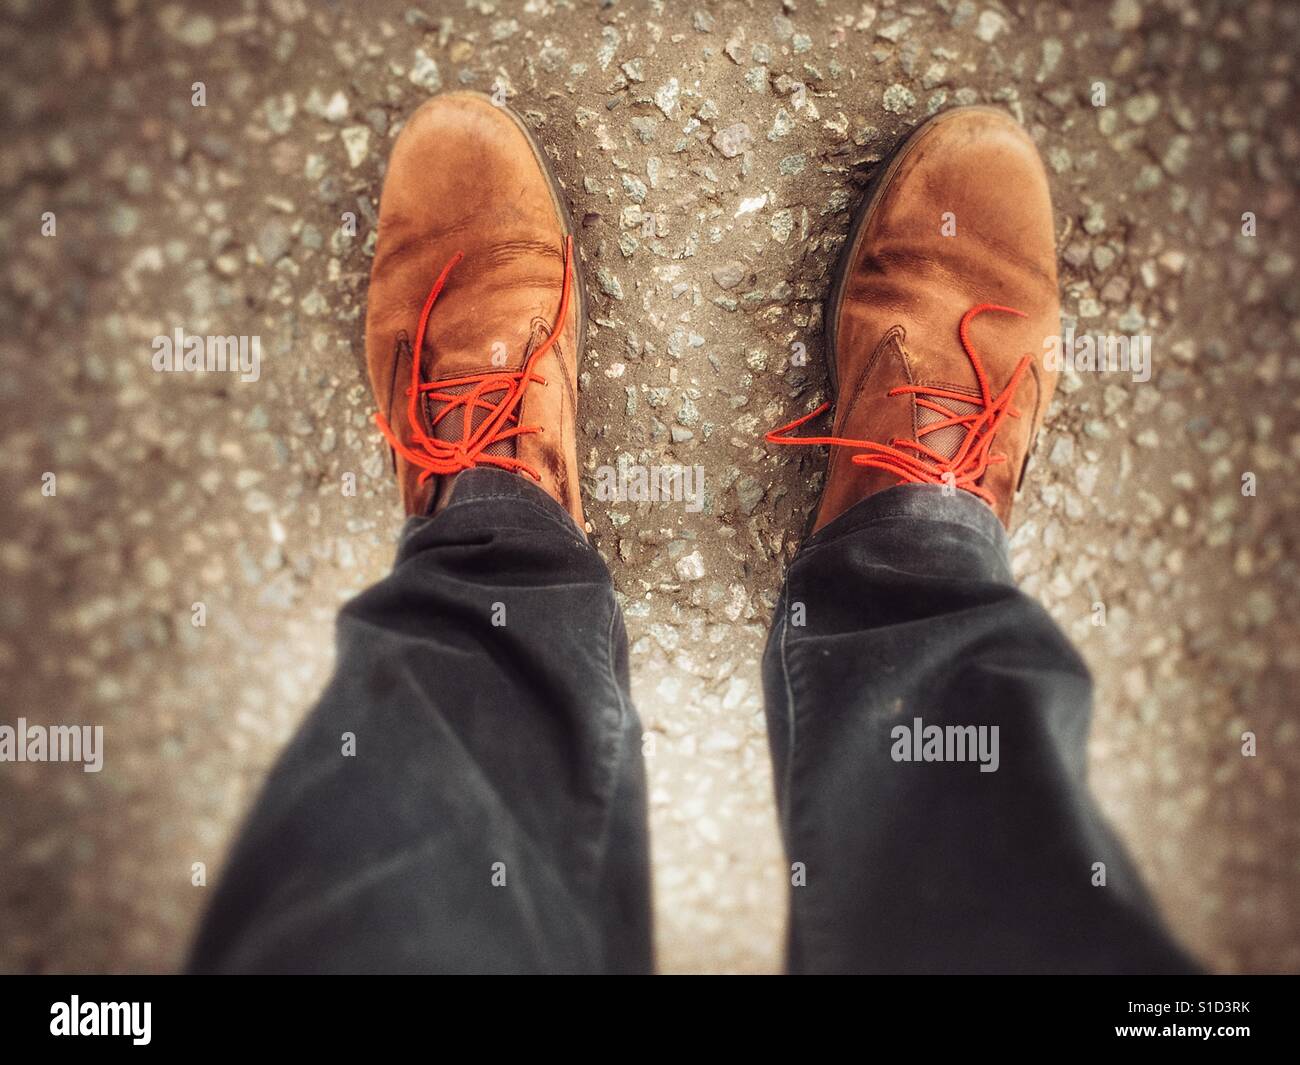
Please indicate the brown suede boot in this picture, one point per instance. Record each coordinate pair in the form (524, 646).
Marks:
(476, 316)
(937, 342)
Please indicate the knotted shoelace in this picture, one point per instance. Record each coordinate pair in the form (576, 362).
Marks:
(496, 392)
(911, 459)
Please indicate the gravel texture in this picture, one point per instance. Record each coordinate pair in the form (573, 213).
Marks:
(713, 153)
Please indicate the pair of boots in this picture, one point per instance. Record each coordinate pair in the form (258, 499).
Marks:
(488, 812)
(937, 319)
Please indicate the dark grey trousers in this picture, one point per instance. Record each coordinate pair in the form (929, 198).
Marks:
(469, 794)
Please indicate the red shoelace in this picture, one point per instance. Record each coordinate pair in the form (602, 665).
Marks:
(498, 392)
(912, 460)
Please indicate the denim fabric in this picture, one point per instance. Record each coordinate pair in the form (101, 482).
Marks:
(909, 612)
(486, 751)
(483, 750)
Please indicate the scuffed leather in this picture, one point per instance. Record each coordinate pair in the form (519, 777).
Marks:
(906, 286)
(464, 176)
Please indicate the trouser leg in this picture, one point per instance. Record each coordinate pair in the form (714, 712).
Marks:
(469, 793)
(902, 611)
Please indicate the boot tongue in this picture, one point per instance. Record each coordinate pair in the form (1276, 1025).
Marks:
(451, 428)
(949, 440)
